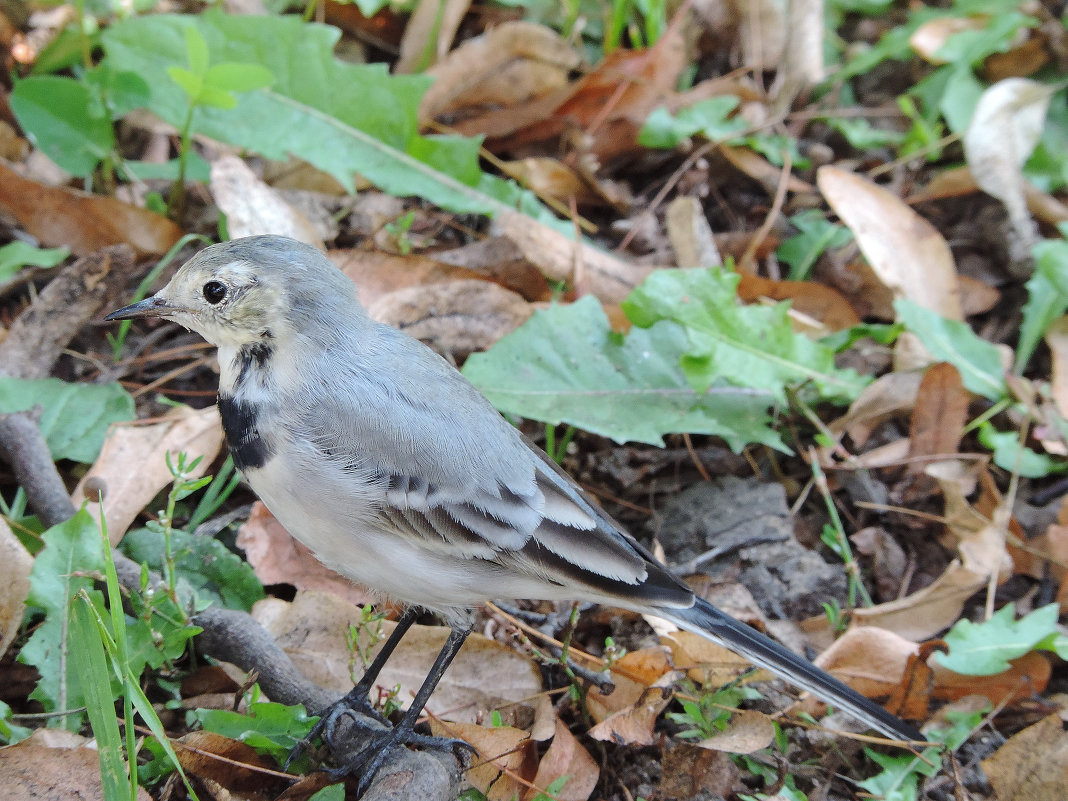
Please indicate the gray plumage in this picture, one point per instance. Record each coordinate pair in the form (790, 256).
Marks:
(396, 472)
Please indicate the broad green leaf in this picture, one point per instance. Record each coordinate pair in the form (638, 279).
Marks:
(566, 364)
(1010, 455)
(1047, 297)
(16, 255)
(215, 572)
(746, 346)
(978, 361)
(984, 649)
(71, 556)
(232, 76)
(56, 114)
(268, 727)
(343, 118)
(74, 417)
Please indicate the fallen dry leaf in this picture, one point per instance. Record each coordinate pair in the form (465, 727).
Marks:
(632, 676)
(566, 757)
(940, 413)
(1003, 132)
(634, 724)
(890, 395)
(929, 37)
(689, 770)
(277, 558)
(507, 758)
(560, 258)
(869, 659)
(1028, 676)
(549, 177)
(752, 164)
(29, 771)
(14, 585)
(512, 63)
(132, 468)
(484, 675)
(690, 234)
(429, 33)
(1033, 764)
(1057, 338)
(252, 207)
(907, 253)
(229, 763)
(821, 303)
(457, 317)
(85, 223)
(747, 731)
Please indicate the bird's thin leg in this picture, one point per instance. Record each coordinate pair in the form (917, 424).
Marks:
(403, 731)
(360, 693)
(357, 699)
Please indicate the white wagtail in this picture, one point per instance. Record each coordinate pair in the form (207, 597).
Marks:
(396, 472)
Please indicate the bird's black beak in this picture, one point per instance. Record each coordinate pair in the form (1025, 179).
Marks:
(154, 306)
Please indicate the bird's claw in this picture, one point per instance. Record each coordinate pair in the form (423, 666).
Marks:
(354, 706)
(377, 747)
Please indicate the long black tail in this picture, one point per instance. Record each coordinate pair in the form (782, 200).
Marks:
(704, 619)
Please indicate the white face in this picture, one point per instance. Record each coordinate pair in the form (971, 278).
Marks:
(227, 304)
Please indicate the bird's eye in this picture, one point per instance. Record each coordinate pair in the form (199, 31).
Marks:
(214, 292)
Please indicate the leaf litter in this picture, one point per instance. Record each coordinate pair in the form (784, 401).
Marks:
(953, 416)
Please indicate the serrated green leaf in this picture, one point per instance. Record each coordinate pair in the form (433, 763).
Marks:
(343, 118)
(745, 346)
(566, 364)
(16, 255)
(56, 114)
(978, 361)
(216, 573)
(74, 417)
(984, 649)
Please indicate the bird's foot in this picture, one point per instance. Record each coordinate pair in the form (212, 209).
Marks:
(356, 707)
(376, 747)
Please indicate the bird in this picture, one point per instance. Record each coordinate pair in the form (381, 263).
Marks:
(381, 457)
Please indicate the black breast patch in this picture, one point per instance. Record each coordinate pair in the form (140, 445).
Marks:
(239, 420)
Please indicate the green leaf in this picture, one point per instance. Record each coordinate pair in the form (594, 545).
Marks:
(233, 76)
(877, 332)
(335, 792)
(215, 572)
(1010, 455)
(16, 255)
(710, 117)
(196, 169)
(270, 728)
(55, 114)
(1047, 297)
(978, 361)
(746, 346)
(984, 649)
(196, 51)
(191, 84)
(72, 554)
(74, 417)
(566, 364)
(343, 118)
(11, 733)
(816, 235)
(88, 659)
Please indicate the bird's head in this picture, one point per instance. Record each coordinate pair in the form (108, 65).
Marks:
(247, 290)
